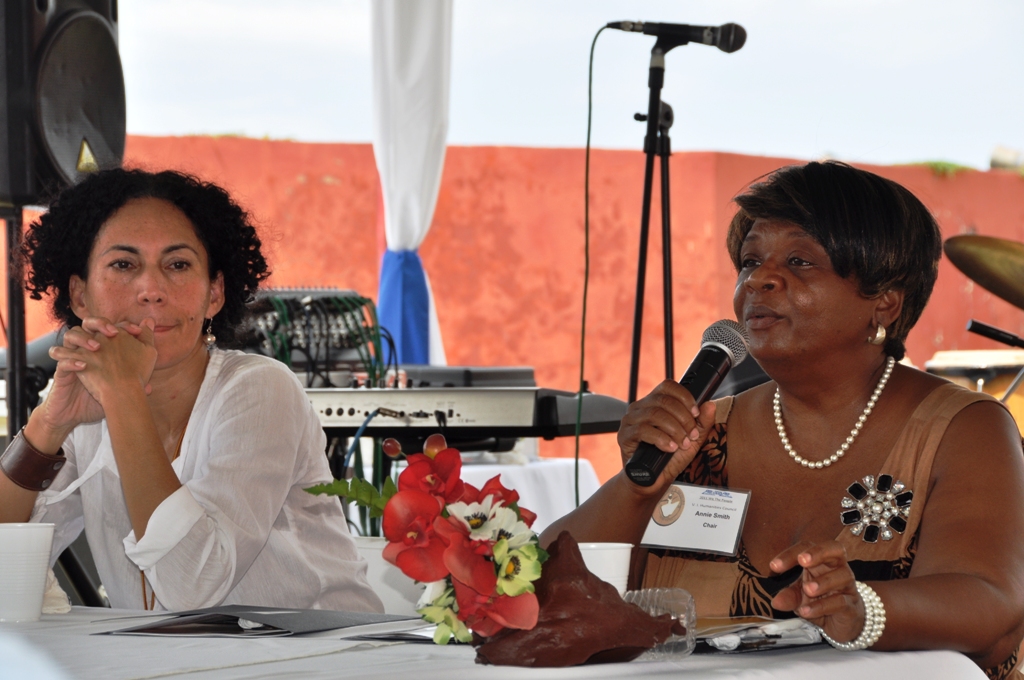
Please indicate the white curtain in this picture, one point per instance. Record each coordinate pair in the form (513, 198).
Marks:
(411, 74)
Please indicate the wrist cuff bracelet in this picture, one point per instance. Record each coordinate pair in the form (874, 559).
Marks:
(28, 468)
(874, 621)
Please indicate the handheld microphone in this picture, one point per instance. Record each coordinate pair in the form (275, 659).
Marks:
(727, 37)
(993, 333)
(723, 345)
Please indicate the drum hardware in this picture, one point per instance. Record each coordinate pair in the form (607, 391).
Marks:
(997, 265)
(1013, 386)
(995, 372)
(1005, 337)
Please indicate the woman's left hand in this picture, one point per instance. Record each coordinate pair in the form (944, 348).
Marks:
(129, 356)
(826, 592)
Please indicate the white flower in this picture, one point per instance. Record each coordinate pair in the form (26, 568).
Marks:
(476, 517)
(506, 524)
(433, 591)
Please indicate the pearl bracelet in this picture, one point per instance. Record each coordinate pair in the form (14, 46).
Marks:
(874, 621)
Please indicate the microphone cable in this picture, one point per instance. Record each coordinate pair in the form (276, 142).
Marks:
(586, 263)
(357, 436)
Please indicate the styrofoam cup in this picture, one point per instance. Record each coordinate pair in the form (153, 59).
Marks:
(24, 559)
(398, 592)
(609, 562)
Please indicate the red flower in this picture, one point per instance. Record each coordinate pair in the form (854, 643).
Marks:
(528, 516)
(438, 476)
(494, 487)
(470, 494)
(413, 546)
(508, 497)
(488, 614)
(444, 527)
(467, 561)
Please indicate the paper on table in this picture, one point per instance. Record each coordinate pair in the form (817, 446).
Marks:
(788, 633)
(224, 622)
(419, 635)
(201, 625)
(709, 626)
(726, 634)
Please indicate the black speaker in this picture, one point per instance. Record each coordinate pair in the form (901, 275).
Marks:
(62, 90)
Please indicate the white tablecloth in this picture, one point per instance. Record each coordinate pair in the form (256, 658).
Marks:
(545, 486)
(67, 640)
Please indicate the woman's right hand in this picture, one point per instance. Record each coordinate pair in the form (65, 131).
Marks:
(669, 419)
(68, 403)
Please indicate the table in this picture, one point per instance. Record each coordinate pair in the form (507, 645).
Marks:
(545, 486)
(67, 640)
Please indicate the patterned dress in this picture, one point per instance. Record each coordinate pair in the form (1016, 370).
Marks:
(731, 586)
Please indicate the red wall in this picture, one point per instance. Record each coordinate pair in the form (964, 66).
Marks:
(505, 253)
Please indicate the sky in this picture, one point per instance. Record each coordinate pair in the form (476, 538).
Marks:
(877, 81)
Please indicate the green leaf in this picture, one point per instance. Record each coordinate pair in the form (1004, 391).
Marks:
(442, 634)
(338, 487)
(359, 491)
(389, 489)
(432, 613)
(381, 499)
(459, 629)
(542, 555)
(362, 492)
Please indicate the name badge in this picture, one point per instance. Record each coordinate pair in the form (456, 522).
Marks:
(699, 519)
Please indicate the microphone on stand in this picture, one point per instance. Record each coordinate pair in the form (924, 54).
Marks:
(723, 345)
(727, 37)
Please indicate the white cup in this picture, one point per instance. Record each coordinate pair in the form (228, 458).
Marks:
(398, 592)
(24, 559)
(609, 562)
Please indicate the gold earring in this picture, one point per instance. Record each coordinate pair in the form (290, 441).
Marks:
(879, 338)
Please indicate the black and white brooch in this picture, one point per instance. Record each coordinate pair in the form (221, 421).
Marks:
(876, 509)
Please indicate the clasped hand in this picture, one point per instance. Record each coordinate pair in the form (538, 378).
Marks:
(826, 592)
(96, 359)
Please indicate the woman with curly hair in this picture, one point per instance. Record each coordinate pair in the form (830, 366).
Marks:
(184, 463)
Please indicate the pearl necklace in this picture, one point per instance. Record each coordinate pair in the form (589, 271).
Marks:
(817, 465)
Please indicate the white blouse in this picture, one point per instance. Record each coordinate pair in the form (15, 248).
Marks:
(240, 530)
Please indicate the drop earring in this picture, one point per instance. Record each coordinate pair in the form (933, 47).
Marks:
(209, 339)
(879, 338)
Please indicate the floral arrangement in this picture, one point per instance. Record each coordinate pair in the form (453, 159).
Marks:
(473, 548)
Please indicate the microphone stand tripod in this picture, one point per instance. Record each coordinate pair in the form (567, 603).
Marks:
(15, 373)
(659, 119)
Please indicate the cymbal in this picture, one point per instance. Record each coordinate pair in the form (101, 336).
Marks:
(995, 264)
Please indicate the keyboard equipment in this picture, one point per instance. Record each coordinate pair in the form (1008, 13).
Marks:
(464, 412)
